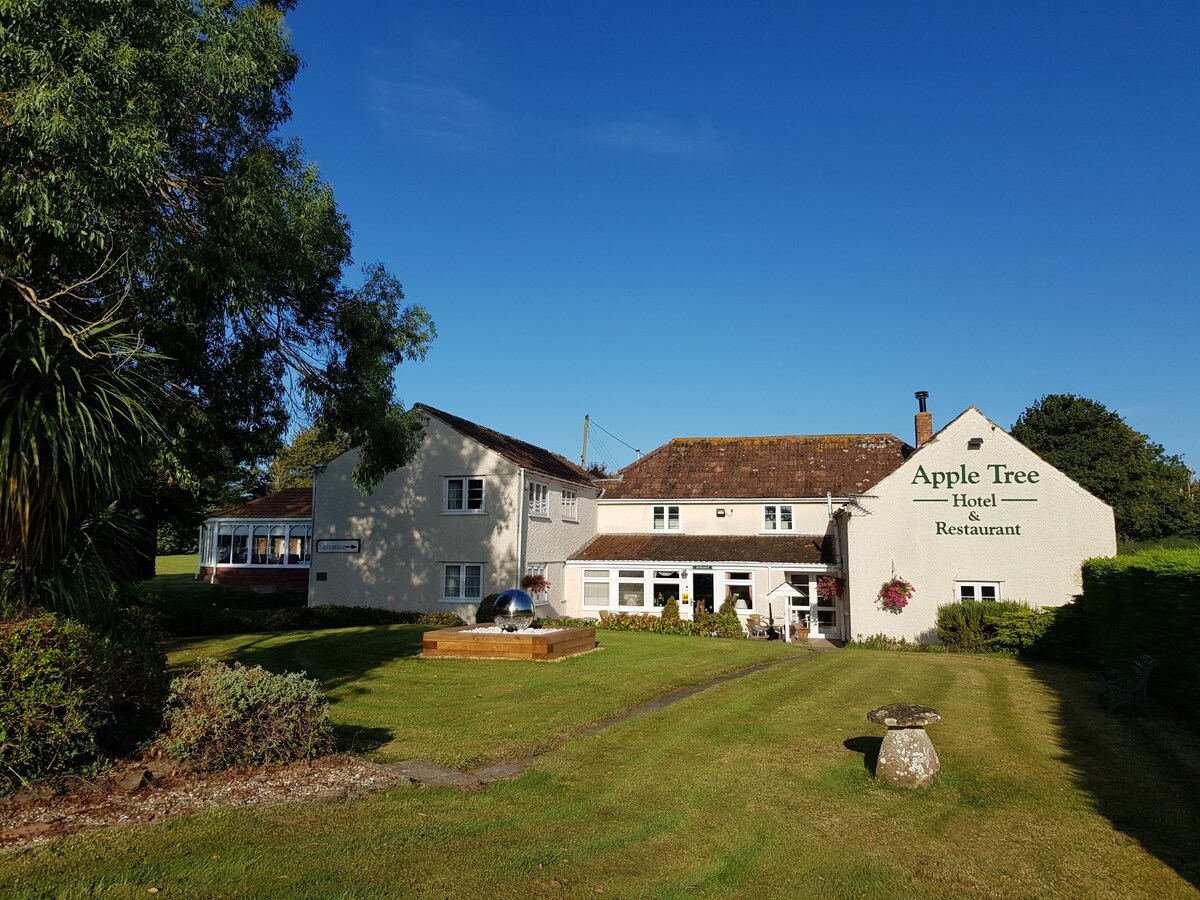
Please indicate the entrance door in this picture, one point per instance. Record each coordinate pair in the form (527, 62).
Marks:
(827, 619)
(702, 592)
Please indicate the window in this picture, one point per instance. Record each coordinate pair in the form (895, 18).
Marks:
(630, 592)
(538, 570)
(539, 499)
(464, 495)
(595, 588)
(667, 586)
(263, 544)
(738, 588)
(799, 603)
(300, 544)
(570, 505)
(977, 590)
(666, 518)
(462, 581)
(777, 518)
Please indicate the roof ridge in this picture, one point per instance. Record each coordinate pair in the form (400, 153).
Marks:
(578, 472)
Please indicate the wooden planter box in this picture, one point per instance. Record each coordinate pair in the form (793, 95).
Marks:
(465, 643)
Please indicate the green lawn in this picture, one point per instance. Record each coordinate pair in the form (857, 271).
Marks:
(757, 788)
(466, 713)
(183, 564)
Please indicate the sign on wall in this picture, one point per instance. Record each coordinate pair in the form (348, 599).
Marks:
(345, 546)
(972, 496)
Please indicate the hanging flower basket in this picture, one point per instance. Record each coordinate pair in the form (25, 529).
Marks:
(830, 587)
(895, 594)
(535, 584)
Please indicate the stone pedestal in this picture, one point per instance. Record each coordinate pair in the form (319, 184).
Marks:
(906, 757)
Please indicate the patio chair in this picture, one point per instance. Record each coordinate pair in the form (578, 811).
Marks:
(756, 627)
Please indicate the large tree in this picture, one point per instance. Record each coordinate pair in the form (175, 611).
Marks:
(293, 465)
(145, 189)
(1150, 491)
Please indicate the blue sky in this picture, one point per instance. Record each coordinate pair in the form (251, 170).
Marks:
(772, 218)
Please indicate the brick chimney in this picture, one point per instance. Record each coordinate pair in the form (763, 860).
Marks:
(924, 420)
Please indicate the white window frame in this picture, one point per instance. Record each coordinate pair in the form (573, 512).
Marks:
(539, 499)
(597, 576)
(673, 583)
(800, 608)
(730, 579)
(570, 505)
(462, 574)
(978, 587)
(465, 498)
(665, 518)
(539, 569)
(773, 517)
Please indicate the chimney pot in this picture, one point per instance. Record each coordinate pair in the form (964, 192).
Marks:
(924, 420)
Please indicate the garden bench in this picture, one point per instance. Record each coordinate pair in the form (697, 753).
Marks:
(1127, 688)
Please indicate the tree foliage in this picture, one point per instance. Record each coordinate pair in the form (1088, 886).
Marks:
(145, 189)
(293, 465)
(1151, 492)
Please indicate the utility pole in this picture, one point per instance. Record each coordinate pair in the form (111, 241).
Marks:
(586, 423)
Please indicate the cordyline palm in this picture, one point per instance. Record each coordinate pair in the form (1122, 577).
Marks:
(74, 427)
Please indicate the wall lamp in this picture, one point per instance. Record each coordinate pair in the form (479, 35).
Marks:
(975, 443)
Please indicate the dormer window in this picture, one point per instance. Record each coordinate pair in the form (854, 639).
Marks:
(666, 518)
(464, 495)
(777, 517)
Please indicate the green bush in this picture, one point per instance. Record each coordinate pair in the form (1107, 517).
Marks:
(136, 680)
(720, 624)
(487, 610)
(670, 610)
(706, 626)
(885, 642)
(219, 716)
(53, 699)
(202, 621)
(1146, 603)
(963, 626)
(1017, 630)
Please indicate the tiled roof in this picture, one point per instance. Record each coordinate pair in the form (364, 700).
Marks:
(760, 467)
(702, 548)
(292, 503)
(526, 455)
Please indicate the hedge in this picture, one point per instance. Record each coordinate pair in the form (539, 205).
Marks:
(201, 621)
(1147, 603)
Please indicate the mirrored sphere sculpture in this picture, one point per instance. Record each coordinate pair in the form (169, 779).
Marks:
(514, 610)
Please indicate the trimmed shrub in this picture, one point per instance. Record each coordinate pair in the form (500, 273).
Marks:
(670, 610)
(1158, 590)
(53, 699)
(487, 610)
(720, 624)
(1017, 630)
(220, 716)
(962, 626)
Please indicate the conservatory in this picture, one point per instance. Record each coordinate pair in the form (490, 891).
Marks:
(266, 544)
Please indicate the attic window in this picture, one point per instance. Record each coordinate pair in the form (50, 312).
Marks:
(975, 443)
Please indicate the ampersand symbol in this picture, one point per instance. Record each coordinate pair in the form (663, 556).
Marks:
(974, 517)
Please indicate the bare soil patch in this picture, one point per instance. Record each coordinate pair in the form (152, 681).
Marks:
(149, 792)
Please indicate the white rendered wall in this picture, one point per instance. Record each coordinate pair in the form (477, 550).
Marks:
(1053, 525)
(741, 517)
(553, 539)
(406, 537)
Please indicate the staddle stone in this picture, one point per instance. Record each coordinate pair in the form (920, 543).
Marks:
(906, 756)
